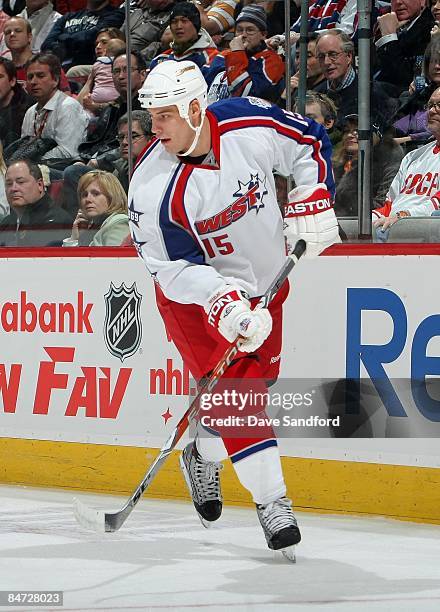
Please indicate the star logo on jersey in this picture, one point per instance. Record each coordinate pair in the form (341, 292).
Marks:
(252, 192)
(249, 196)
(138, 244)
(133, 214)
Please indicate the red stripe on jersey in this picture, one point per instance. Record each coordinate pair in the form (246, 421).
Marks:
(286, 131)
(145, 152)
(178, 212)
(215, 135)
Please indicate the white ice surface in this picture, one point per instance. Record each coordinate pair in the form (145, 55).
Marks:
(163, 559)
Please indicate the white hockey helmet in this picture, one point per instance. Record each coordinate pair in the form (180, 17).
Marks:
(174, 83)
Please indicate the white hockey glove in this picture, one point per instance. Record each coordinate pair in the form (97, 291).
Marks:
(309, 215)
(229, 311)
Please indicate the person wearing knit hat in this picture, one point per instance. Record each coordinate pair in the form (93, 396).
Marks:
(189, 40)
(250, 30)
(248, 68)
(254, 14)
(189, 11)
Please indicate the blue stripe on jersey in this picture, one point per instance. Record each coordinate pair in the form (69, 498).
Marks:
(179, 243)
(234, 108)
(251, 450)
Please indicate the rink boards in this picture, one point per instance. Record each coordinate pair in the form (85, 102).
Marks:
(90, 385)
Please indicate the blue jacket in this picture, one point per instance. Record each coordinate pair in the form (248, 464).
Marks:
(73, 36)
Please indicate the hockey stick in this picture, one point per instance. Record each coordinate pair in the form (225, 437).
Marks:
(104, 521)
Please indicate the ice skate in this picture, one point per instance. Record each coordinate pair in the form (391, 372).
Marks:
(280, 526)
(203, 481)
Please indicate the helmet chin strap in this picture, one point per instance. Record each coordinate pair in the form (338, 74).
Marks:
(197, 131)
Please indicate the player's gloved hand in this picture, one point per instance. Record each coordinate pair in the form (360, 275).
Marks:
(309, 215)
(229, 311)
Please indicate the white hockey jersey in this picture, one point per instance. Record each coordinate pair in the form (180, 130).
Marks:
(197, 226)
(416, 186)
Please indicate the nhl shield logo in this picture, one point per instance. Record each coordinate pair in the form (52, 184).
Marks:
(122, 325)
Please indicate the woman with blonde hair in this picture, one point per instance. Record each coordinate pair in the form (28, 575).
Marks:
(102, 218)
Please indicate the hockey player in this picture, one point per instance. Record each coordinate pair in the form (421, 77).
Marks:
(206, 222)
(415, 190)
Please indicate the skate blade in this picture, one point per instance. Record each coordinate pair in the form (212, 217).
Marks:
(206, 524)
(289, 553)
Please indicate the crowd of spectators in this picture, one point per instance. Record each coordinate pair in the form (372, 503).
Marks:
(64, 128)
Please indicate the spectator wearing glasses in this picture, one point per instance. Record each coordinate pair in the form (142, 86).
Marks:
(248, 68)
(335, 52)
(141, 135)
(415, 190)
(104, 137)
(138, 74)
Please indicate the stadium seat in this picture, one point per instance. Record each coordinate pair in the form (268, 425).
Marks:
(55, 191)
(415, 229)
